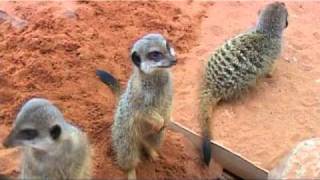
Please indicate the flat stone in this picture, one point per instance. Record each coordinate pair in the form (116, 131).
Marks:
(303, 162)
(3, 16)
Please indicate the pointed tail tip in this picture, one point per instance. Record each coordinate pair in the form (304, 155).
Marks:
(106, 77)
(109, 80)
(206, 150)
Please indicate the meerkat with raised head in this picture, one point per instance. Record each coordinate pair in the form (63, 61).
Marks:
(144, 108)
(238, 63)
(51, 147)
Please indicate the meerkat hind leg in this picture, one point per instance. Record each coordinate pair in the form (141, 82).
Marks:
(154, 155)
(132, 174)
(270, 73)
(150, 151)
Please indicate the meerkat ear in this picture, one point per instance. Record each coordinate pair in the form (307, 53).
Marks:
(287, 23)
(170, 49)
(55, 132)
(136, 59)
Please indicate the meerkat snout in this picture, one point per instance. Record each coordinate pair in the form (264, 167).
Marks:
(158, 56)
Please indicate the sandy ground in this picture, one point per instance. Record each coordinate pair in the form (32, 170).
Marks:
(55, 51)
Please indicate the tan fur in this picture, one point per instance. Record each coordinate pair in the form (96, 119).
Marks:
(144, 108)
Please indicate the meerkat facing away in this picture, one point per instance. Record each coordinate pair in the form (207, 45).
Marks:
(144, 108)
(238, 63)
(51, 147)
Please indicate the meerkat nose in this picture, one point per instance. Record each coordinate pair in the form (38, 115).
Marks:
(174, 61)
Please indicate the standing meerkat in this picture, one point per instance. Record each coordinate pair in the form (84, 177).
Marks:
(144, 109)
(51, 147)
(238, 63)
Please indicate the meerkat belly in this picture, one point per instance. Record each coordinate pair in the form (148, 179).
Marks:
(236, 66)
(46, 168)
(63, 163)
(160, 105)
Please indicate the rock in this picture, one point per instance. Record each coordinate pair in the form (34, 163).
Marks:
(3, 16)
(303, 162)
(70, 14)
(19, 23)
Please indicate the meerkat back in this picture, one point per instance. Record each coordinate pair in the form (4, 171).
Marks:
(241, 60)
(51, 147)
(238, 63)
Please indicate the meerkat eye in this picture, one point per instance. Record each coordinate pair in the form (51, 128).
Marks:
(155, 55)
(28, 134)
(55, 132)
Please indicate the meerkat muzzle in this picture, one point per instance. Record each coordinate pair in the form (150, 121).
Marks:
(173, 62)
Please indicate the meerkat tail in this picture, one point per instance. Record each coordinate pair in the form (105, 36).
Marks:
(109, 80)
(132, 174)
(206, 107)
(205, 122)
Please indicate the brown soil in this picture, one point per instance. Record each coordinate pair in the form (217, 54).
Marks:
(54, 55)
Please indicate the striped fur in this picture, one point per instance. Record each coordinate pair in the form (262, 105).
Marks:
(238, 64)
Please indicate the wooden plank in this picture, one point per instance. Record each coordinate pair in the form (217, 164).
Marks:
(228, 159)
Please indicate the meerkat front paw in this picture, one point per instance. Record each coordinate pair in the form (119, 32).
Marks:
(157, 122)
(271, 72)
(154, 155)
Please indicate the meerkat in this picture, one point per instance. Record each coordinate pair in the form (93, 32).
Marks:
(51, 147)
(144, 108)
(238, 63)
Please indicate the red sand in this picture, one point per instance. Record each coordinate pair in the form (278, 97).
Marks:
(56, 54)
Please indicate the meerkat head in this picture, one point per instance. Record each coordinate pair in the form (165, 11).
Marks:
(152, 52)
(39, 125)
(273, 19)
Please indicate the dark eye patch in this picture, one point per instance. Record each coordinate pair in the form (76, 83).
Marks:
(28, 134)
(155, 55)
(136, 59)
(55, 132)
